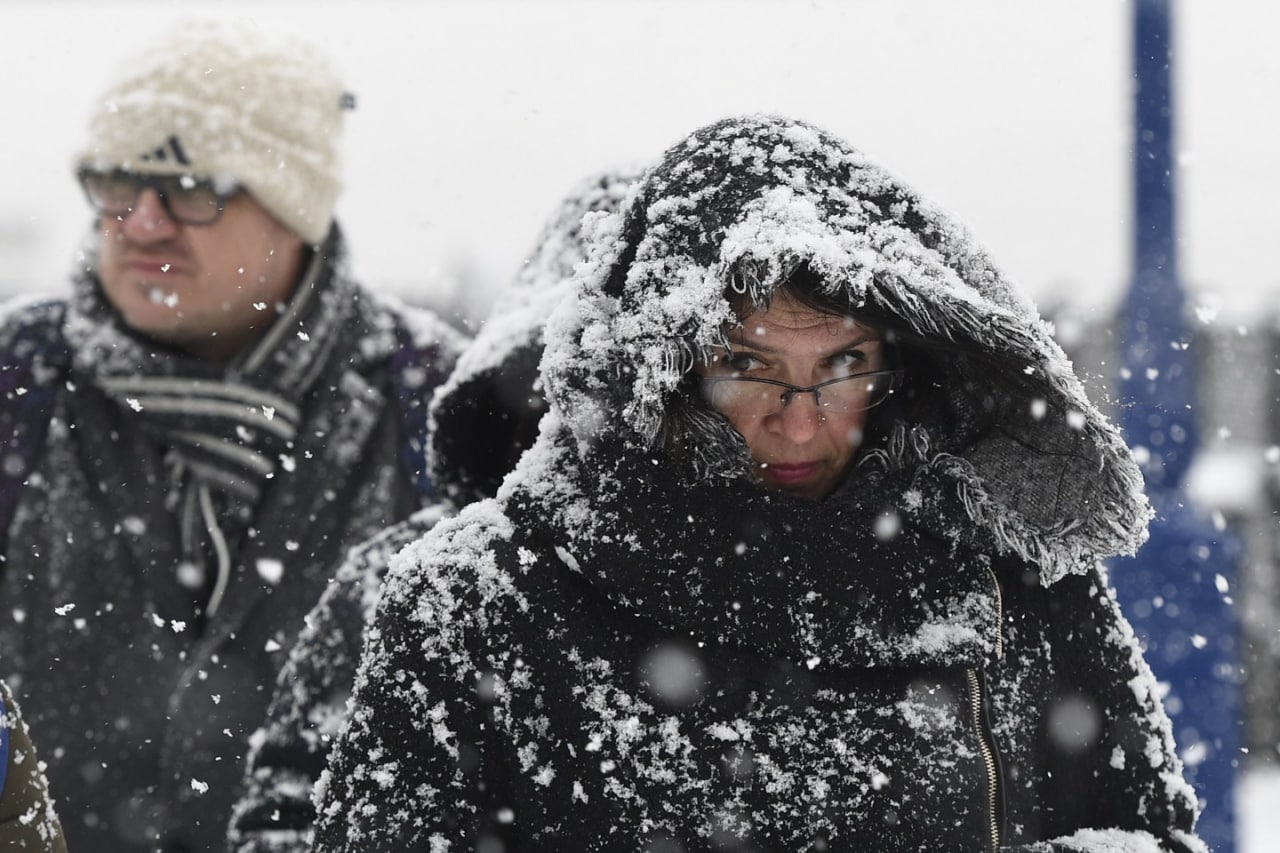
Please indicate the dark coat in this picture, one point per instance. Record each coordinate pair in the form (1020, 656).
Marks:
(287, 754)
(482, 418)
(635, 647)
(145, 708)
(767, 676)
(27, 817)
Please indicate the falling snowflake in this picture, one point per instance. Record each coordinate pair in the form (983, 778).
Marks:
(270, 569)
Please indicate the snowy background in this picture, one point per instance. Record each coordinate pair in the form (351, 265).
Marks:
(475, 116)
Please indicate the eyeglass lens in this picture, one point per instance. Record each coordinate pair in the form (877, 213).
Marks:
(186, 199)
(750, 397)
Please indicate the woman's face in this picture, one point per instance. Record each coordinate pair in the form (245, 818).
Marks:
(801, 442)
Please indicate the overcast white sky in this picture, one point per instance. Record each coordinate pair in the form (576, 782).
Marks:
(475, 116)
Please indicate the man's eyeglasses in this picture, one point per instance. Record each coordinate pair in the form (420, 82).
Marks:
(187, 199)
(751, 397)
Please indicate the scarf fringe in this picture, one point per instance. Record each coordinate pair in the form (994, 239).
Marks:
(1071, 546)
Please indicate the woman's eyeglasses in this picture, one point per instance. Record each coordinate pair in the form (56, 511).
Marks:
(187, 199)
(751, 397)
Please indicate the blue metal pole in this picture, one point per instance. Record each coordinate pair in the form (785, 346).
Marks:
(1178, 590)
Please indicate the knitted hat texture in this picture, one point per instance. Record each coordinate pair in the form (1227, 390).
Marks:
(235, 103)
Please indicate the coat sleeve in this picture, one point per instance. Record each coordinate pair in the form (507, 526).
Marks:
(412, 769)
(288, 752)
(27, 818)
(1127, 791)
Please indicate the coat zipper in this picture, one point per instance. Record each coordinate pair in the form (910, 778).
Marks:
(986, 741)
(995, 584)
(988, 757)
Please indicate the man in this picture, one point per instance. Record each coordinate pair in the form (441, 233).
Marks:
(227, 412)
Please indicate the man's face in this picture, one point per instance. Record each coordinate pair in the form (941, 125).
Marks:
(211, 289)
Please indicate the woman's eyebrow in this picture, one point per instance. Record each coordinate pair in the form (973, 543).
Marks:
(761, 346)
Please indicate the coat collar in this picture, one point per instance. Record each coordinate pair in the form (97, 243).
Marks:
(838, 584)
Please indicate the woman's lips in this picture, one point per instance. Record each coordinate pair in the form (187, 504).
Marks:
(790, 473)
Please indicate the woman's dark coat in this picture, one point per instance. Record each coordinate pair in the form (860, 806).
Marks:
(634, 647)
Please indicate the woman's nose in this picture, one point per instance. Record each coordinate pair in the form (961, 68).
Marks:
(149, 221)
(799, 420)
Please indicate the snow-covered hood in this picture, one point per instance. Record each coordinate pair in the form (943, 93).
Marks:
(486, 413)
(748, 200)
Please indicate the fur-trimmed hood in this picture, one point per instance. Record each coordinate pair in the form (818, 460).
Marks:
(749, 200)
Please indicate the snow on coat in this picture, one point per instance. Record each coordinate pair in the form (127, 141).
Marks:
(635, 647)
(482, 417)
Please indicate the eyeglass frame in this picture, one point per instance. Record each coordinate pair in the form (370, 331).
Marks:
(895, 375)
(162, 185)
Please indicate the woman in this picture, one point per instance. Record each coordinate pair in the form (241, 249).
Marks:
(27, 819)
(806, 557)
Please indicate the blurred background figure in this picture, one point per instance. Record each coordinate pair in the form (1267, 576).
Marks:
(198, 434)
(483, 417)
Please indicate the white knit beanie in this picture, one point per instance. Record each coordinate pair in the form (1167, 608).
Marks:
(230, 102)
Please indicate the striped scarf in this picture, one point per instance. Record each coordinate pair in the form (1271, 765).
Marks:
(226, 428)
